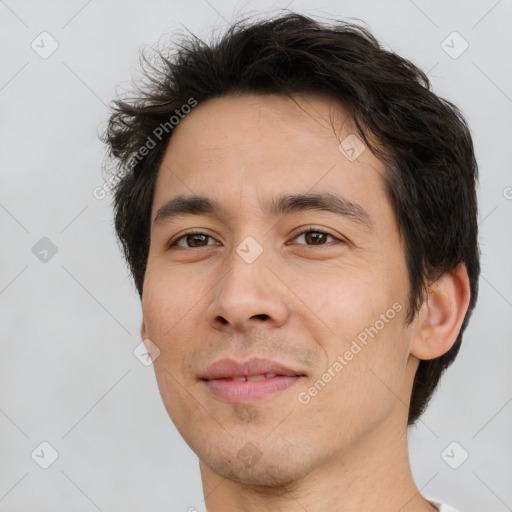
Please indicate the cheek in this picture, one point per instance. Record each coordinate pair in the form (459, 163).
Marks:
(367, 381)
(165, 316)
(167, 301)
(366, 346)
(344, 300)
(167, 311)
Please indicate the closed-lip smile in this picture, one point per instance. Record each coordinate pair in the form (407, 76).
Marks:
(258, 378)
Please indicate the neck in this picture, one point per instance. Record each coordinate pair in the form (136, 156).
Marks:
(374, 474)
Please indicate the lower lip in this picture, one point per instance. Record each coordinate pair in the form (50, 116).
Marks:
(246, 391)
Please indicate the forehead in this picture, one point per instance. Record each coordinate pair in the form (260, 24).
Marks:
(253, 145)
(247, 119)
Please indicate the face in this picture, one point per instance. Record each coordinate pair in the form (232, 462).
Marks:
(317, 288)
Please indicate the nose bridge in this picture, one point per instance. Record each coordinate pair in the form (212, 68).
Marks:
(248, 291)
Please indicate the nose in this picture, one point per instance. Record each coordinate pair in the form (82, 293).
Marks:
(247, 295)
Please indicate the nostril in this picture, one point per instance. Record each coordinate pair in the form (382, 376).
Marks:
(263, 316)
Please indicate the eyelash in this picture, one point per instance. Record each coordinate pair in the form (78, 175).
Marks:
(309, 229)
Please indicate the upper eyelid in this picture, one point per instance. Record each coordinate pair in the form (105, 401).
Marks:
(307, 229)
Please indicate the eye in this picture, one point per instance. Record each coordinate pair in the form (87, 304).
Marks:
(319, 236)
(194, 237)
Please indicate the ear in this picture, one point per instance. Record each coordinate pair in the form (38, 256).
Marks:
(145, 339)
(143, 330)
(441, 315)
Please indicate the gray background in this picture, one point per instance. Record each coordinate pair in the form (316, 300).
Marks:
(69, 324)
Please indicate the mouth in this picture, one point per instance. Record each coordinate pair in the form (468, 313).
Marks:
(242, 382)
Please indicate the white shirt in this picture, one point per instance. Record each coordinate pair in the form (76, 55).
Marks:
(442, 507)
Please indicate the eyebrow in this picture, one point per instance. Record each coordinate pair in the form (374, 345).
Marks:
(324, 201)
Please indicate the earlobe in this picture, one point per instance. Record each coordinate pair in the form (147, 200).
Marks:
(440, 318)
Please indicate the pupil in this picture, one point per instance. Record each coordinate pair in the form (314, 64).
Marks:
(195, 236)
(315, 236)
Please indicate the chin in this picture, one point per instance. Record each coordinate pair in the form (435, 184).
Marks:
(261, 476)
(251, 467)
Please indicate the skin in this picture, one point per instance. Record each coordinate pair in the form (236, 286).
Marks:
(347, 448)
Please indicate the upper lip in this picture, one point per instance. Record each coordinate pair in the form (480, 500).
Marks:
(229, 368)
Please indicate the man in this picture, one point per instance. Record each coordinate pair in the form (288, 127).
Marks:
(299, 214)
